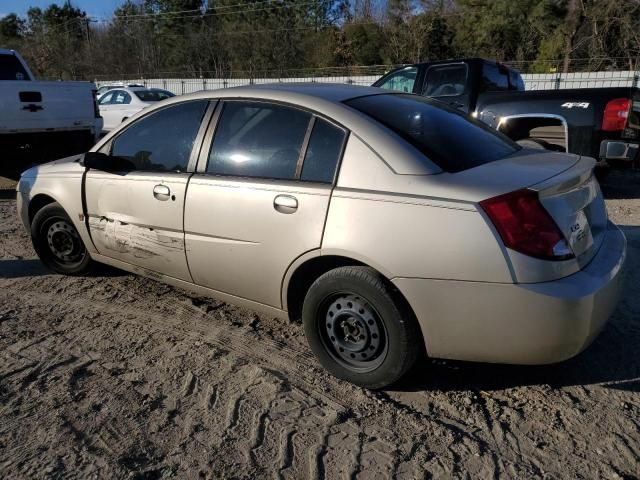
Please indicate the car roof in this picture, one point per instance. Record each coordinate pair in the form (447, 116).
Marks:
(331, 92)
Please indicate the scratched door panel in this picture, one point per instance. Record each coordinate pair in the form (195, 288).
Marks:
(129, 223)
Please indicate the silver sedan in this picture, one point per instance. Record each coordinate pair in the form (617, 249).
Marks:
(388, 223)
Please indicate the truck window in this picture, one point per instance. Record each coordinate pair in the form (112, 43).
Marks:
(448, 138)
(12, 69)
(446, 80)
(401, 80)
(494, 79)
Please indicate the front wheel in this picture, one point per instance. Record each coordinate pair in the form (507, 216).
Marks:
(359, 327)
(57, 241)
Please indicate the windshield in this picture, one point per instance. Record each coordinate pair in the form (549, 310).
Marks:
(12, 69)
(448, 138)
(152, 95)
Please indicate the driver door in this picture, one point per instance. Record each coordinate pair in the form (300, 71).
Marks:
(136, 216)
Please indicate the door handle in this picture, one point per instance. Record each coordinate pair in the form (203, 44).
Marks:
(161, 192)
(285, 204)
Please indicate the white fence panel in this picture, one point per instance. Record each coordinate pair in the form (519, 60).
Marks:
(533, 81)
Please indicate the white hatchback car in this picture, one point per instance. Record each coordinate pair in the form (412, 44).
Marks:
(121, 103)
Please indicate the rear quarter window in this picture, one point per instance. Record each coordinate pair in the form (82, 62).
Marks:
(12, 69)
(448, 138)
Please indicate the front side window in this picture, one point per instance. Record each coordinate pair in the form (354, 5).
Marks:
(448, 138)
(255, 139)
(446, 80)
(323, 152)
(401, 81)
(494, 78)
(106, 98)
(161, 141)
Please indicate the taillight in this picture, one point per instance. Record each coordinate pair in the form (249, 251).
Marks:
(96, 109)
(525, 226)
(616, 115)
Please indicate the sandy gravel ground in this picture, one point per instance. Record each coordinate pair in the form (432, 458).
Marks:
(115, 376)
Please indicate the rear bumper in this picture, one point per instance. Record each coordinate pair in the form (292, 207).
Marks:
(527, 324)
(619, 150)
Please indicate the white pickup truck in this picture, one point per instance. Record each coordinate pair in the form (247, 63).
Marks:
(42, 119)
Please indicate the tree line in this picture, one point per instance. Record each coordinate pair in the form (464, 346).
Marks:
(226, 38)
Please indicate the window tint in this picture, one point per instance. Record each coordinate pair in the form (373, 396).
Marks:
(494, 78)
(401, 81)
(163, 140)
(323, 152)
(446, 80)
(255, 139)
(448, 138)
(106, 98)
(152, 95)
(12, 69)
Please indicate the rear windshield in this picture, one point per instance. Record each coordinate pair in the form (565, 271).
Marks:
(12, 69)
(450, 139)
(151, 95)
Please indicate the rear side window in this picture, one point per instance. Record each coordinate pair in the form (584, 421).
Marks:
(161, 141)
(494, 78)
(151, 95)
(12, 69)
(323, 152)
(446, 80)
(256, 139)
(448, 138)
(121, 97)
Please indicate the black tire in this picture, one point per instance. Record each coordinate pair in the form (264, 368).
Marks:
(360, 328)
(58, 243)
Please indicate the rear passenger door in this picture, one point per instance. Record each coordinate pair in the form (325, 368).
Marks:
(260, 196)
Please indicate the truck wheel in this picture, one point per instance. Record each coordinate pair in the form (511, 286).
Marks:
(359, 328)
(58, 243)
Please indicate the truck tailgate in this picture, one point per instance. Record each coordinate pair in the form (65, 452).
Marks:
(33, 106)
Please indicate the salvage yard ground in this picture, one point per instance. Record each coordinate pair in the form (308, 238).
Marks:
(117, 376)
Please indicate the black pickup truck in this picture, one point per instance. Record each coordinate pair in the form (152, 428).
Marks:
(603, 123)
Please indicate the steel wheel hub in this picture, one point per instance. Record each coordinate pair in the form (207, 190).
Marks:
(354, 332)
(63, 241)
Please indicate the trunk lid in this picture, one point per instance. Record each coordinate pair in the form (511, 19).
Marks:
(574, 200)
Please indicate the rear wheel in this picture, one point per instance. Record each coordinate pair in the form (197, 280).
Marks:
(359, 327)
(58, 243)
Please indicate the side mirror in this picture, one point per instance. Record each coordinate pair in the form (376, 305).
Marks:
(106, 163)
